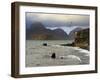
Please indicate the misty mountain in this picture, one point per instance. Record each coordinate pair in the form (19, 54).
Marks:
(37, 31)
(60, 34)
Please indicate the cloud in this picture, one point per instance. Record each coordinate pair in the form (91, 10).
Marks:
(53, 20)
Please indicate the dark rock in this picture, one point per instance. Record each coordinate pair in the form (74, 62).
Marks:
(71, 44)
(53, 56)
(82, 39)
(44, 44)
(62, 58)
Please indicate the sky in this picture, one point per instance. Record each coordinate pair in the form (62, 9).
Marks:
(67, 22)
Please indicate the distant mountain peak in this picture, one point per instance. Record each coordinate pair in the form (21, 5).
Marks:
(59, 29)
(39, 32)
(37, 25)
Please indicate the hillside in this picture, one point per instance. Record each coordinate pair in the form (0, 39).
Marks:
(39, 32)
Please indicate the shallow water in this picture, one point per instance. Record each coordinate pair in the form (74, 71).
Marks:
(39, 55)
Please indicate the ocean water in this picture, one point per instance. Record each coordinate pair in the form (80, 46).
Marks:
(31, 43)
(39, 55)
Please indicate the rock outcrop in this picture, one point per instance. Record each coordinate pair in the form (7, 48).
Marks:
(82, 39)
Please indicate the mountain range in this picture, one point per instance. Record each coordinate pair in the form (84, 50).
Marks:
(38, 31)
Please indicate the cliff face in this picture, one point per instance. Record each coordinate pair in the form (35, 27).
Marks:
(72, 33)
(82, 39)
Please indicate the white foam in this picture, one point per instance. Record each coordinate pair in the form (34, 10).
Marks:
(56, 46)
(82, 50)
(73, 57)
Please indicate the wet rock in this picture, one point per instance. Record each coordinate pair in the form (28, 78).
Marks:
(53, 56)
(44, 44)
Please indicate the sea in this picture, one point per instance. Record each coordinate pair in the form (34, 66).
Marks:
(38, 55)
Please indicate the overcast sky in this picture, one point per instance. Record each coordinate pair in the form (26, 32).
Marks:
(57, 20)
